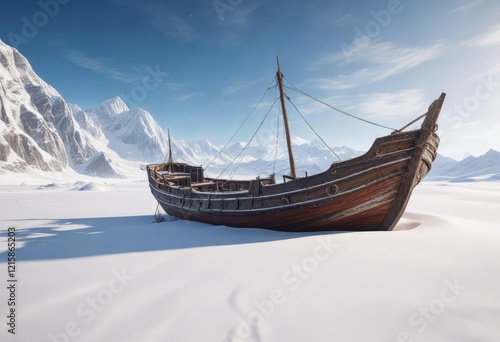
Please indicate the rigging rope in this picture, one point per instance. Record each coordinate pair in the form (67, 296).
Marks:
(230, 139)
(312, 129)
(411, 123)
(242, 154)
(239, 157)
(336, 109)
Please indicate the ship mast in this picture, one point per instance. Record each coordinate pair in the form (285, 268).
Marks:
(279, 77)
(170, 159)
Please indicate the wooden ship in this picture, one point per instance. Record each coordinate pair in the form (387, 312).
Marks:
(366, 193)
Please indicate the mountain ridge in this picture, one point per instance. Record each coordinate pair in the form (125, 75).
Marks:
(482, 168)
(39, 130)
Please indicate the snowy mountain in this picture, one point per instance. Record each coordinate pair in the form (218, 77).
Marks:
(485, 167)
(133, 133)
(109, 110)
(40, 131)
(264, 160)
(37, 128)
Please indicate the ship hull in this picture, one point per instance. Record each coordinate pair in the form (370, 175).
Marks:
(366, 193)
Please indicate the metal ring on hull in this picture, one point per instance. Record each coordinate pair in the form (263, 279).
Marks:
(332, 189)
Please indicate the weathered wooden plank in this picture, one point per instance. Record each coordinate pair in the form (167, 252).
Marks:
(369, 192)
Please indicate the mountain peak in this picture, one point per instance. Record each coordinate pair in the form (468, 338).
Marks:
(74, 108)
(113, 106)
(492, 152)
(299, 141)
(114, 99)
(204, 141)
(16, 68)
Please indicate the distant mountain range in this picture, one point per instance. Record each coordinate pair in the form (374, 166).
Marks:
(482, 168)
(40, 131)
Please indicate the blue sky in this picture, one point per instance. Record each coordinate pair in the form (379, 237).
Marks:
(199, 67)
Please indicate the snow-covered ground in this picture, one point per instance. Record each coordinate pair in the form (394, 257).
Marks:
(92, 265)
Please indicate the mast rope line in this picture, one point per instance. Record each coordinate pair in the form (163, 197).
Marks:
(243, 151)
(336, 109)
(411, 123)
(271, 86)
(312, 129)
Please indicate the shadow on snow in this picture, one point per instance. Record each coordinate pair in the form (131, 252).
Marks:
(84, 237)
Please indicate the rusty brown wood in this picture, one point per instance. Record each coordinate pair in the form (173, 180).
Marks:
(369, 192)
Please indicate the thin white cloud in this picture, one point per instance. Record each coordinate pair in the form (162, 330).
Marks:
(343, 20)
(172, 25)
(181, 91)
(492, 71)
(381, 53)
(403, 103)
(188, 96)
(325, 14)
(239, 16)
(469, 125)
(308, 106)
(239, 86)
(176, 86)
(383, 59)
(235, 23)
(235, 87)
(465, 8)
(101, 66)
(486, 39)
(164, 19)
(332, 58)
(494, 133)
